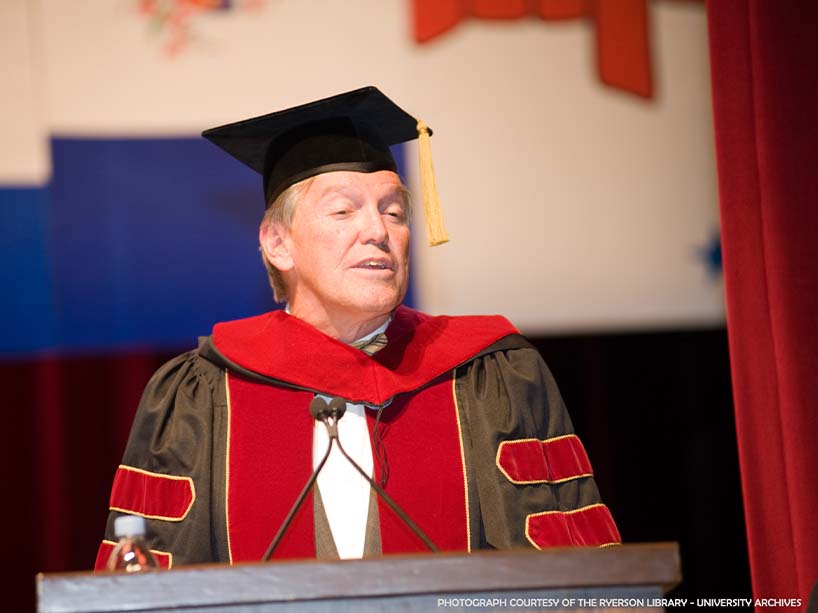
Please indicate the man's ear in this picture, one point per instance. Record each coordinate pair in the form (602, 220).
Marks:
(273, 240)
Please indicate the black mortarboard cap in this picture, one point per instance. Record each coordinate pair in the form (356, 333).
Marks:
(350, 131)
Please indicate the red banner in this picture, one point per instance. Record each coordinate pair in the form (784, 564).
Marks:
(622, 44)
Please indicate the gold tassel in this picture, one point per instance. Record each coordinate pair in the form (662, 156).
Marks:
(435, 229)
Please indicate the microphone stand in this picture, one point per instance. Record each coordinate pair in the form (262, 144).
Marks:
(337, 406)
(319, 410)
(329, 416)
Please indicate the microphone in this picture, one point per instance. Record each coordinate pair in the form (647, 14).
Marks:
(331, 417)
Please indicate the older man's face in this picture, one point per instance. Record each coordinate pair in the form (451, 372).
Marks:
(349, 245)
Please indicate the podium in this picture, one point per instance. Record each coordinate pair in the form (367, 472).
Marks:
(560, 579)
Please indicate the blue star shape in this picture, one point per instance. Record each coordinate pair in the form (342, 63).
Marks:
(710, 255)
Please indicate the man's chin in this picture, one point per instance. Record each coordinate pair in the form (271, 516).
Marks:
(377, 304)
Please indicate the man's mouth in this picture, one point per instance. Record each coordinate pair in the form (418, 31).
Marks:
(374, 264)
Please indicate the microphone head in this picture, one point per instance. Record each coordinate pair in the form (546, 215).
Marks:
(337, 407)
(319, 409)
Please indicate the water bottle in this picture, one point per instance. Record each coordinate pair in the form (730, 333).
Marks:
(131, 553)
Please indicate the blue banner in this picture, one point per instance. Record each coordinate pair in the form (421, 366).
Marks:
(134, 243)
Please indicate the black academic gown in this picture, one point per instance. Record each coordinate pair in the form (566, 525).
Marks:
(475, 441)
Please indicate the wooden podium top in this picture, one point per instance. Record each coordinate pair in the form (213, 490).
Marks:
(258, 587)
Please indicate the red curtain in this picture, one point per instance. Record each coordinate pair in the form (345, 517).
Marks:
(66, 423)
(623, 51)
(765, 97)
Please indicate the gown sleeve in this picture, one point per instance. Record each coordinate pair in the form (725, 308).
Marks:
(167, 470)
(530, 474)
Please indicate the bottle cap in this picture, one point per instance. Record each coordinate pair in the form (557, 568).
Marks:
(130, 525)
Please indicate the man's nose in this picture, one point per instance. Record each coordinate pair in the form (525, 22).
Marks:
(373, 228)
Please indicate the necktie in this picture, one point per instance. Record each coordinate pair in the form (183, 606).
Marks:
(373, 344)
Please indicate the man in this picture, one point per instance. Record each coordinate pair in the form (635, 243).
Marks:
(457, 418)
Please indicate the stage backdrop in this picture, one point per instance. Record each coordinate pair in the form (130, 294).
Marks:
(571, 205)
